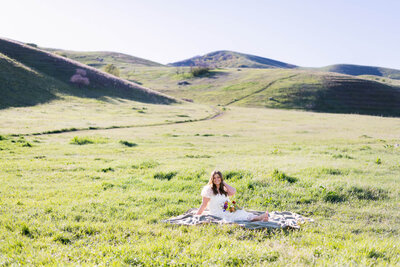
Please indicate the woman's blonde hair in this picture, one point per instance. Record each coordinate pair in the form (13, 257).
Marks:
(214, 187)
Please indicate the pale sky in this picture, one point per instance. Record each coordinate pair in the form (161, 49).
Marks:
(309, 33)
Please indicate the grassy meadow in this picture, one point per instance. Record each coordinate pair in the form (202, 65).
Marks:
(70, 113)
(98, 196)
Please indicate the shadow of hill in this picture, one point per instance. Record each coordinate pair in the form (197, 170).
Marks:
(20, 86)
(325, 92)
(345, 94)
(362, 70)
(355, 70)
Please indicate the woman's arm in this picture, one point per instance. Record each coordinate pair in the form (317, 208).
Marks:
(231, 190)
(203, 205)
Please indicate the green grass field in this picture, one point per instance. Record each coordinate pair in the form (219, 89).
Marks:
(88, 173)
(71, 113)
(97, 197)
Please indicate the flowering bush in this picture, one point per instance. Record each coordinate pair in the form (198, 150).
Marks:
(79, 78)
(81, 72)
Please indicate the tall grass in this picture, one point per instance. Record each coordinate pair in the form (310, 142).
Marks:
(103, 203)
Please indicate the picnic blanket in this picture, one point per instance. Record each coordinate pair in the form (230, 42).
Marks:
(283, 220)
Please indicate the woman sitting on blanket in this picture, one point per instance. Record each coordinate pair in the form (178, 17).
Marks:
(216, 193)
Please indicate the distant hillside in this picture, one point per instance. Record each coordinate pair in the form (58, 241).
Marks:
(101, 59)
(29, 76)
(279, 88)
(230, 59)
(362, 70)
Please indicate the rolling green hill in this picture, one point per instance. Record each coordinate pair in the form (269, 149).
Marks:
(230, 59)
(362, 70)
(30, 76)
(275, 85)
(268, 83)
(101, 58)
(278, 88)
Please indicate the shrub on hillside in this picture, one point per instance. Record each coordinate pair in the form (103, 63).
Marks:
(199, 71)
(112, 69)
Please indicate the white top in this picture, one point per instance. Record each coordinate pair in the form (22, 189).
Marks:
(216, 204)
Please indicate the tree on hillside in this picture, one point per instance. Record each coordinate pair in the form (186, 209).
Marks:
(112, 69)
(199, 70)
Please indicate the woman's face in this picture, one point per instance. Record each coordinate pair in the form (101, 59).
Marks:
(217, 179)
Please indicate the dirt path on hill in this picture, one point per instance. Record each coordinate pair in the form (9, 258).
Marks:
(259, 91)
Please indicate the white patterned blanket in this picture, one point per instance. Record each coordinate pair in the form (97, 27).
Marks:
(284, 220)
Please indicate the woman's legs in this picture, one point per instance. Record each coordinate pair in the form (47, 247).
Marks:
(263, 217)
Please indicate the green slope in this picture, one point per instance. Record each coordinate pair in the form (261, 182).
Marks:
(101, 58)
(230, 59)
(36, 76)
(362, 70)
(22, 86)
(279, 88)
(275, 87)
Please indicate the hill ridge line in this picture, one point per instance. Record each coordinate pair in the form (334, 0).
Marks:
(232, 59)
